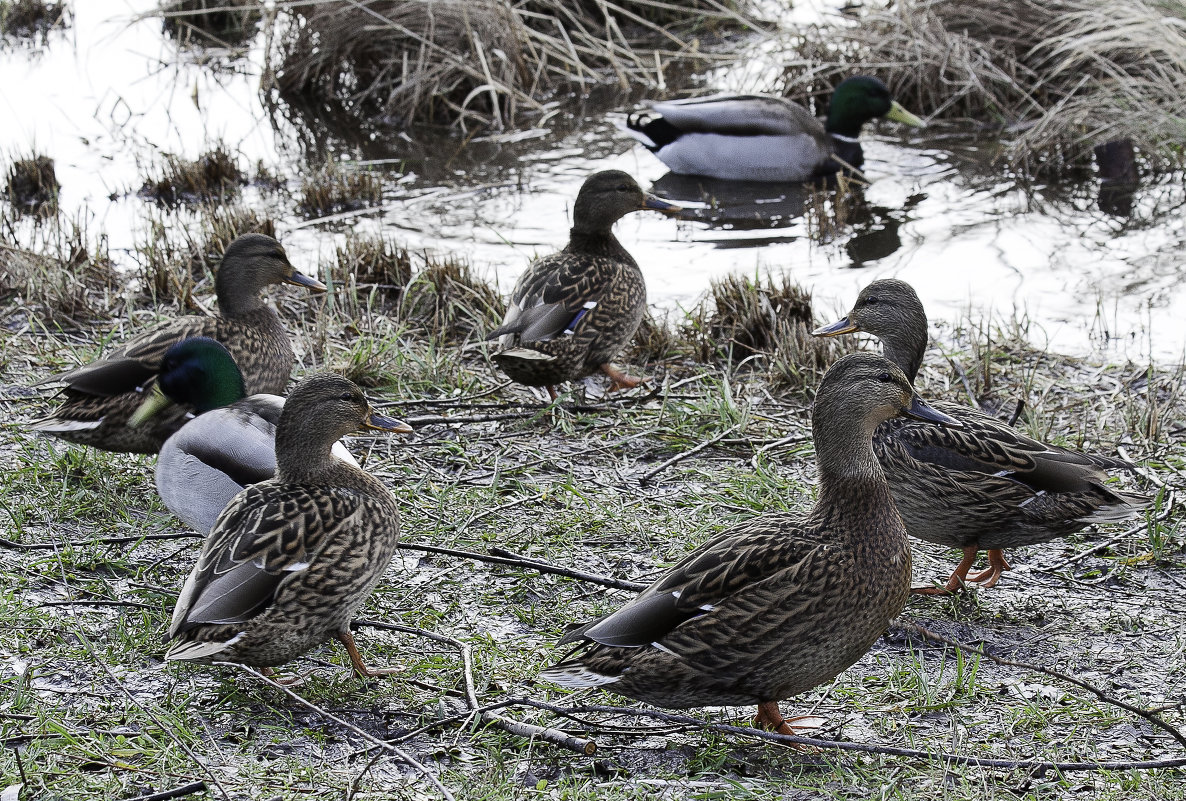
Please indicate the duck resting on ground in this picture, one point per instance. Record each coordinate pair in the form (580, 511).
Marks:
(763, 138)
(781, 603)
(229, 445)
(572, 312)
(101, 396)
(985, 486)
(291, 559)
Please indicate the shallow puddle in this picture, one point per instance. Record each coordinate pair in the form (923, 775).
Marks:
(109, 95)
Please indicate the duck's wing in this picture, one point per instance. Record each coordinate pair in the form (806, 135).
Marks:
(987, 445)
(739, 115)
(267, 533)
(765, 548)
(134, 363)
(551, 298)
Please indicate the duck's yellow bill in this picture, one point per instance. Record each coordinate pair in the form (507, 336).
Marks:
(382, 423)
(298, 279)
(898, 114)
(841, 326)
(156, 401)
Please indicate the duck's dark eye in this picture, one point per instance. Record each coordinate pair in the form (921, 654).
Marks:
(349, 397)
(623, 188)
(871, 301)
(885, 377)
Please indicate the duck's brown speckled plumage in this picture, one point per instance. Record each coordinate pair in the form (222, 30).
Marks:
(100, 397)
(984, 486)
(291, 559)
(572, 312)
(781, 603)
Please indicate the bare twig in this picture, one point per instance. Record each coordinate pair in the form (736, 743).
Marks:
(176, 792)
(370, 738)
(580, 745)
(502, 557)
(841, 745)
(49, 546)
(1153, 718)
(679, 457)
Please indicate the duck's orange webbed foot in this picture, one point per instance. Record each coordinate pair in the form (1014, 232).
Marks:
(618, 379)
(997, 564)
(959, 577)
(770, 717)
(360, 668)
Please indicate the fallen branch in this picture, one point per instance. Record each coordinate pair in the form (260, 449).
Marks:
(528, 731)
(375, 741)
(49, 546)
(1153, 718)
(176, 792)
(502, 557)
(679, 457)
(842, 745)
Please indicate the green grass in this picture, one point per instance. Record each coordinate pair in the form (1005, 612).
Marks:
(91, 711)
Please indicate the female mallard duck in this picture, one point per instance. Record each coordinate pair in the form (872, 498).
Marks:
(985, 486)
(572, 312)
(101, 396)
(762, 138)
(229, 445)
(292, 558)
(781, 603)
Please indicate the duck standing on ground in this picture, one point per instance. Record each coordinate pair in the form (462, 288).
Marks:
(781, 603)
(101, 396)
(572, 312)
(228, 446)
(763, 138)
(984, 486)
(291, 559)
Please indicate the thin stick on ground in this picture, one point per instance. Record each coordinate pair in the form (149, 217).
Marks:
(842, 745)
(679, 457)
(1153, 718)
(177, 792)
(499, 556)
(529, 731)
(375, 741)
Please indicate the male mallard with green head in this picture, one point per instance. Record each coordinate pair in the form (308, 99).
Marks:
(231, 442)
(101, 396)
(985, 486)
(291, 559)
(781, 603)
(762, 138)
(572, 312)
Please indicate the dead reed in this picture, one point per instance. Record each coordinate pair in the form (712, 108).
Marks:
(33, 185)
(451, 302)
(335, 188)
(1062, 75)
(220, 22)
(31, 18)
(214, 175)
(481, 62)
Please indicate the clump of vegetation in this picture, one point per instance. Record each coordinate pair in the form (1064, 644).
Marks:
(451, 302)
(336, 188)
(214, 175)
(478, 61)
(654, 341)
(30, 18)
(33, 185)
(1070, 74)
(830, 210)
(374, 265)
(741, 318)
(62, 275)
(224, 22)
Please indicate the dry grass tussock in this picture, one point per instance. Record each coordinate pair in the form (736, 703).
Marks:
(33, 185)
(335, 188)
(31, 18)
(1069, 74)
(218, 22)
(741, 318)
(481, 62)
(451, 302)
(214, 175)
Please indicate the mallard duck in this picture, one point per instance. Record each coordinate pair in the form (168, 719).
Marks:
(781, 603)
(101, 396)
(229, 445)
(762, 138)
(572, 312)
(985, 486)
(290, 559)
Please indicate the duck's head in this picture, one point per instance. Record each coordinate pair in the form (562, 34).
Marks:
(252, 262)
(860, 99)
(609, 195)
(890, 310)
(322, 409)
(860, 392)
(197, 372)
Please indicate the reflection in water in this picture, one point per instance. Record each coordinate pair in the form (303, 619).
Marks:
(737, 205)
